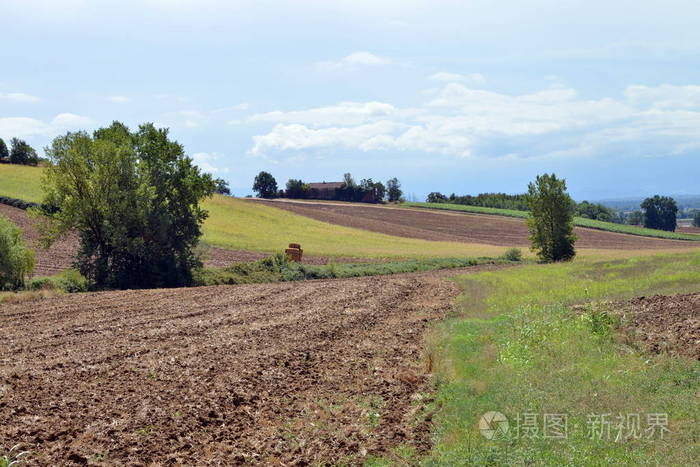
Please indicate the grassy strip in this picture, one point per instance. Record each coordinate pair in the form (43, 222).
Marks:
(580, 221)
(277, 268)
(518, 348)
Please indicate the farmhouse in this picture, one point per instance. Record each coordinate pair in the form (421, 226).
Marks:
(323, 190)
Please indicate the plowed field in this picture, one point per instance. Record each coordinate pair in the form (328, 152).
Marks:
(458, 227)
(292, 373)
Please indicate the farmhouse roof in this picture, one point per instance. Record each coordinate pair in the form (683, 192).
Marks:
(325, 185)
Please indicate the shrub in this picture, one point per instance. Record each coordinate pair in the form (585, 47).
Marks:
(70, 281)
(513, 254)
(16, 260)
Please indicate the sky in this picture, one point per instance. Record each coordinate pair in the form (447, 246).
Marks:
(451, 96)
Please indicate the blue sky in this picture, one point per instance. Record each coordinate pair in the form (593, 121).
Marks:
(455, 96)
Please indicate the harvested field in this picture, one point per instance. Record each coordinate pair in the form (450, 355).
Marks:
(317, 371)
(60, 256)
(665, 323)
(458, 227)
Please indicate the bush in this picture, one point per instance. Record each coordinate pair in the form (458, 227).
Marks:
(513, 254)
(69, 281)
(16, 260)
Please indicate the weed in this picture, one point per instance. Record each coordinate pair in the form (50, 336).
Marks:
(12, 457)
(513, 254)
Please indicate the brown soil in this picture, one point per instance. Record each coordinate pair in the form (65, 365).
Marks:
(61, 255)
(284, 373)
(689, 229)
(457, 227)
(665, 323)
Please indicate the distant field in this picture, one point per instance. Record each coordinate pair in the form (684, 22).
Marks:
(21, 182)
(580, 221)
(240, 225)
(244, 225)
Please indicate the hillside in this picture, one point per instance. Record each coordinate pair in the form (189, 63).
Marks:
(238, 225)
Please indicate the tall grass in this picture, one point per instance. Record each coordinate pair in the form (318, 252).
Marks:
(518, 348)
(579, 221)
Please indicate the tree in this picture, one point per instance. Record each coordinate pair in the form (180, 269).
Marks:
(635, 218)
(16, 260)
(393, 188)
(369, 191)
(551, 219)
(594, 211)
(696, 219)
(22, 153)
(4, 153)
(379, 192)
(296, 189)
(133, 198)
(660, 213)
(221, 187)
(265, 185)
(436, 197)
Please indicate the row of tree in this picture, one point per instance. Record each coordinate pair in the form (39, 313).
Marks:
(519, 202)
(19, 152)
(265, 186)
(657, 212)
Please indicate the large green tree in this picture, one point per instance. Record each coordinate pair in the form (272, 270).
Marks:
(134, 200)
(660, 213)
(22, 153)
(551, 219)
(265, 185)
(4, 153)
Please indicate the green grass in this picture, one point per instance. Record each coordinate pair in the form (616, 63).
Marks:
(21, 182)
(518, 348)
(579, 221)
(277, 268)
(238, 224)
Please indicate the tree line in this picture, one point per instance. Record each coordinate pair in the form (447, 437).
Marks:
(656, 212)
(367, 190)
(19, 153)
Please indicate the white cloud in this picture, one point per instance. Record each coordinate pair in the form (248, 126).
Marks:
(24, 127)
(345, 113)
(70, 121)
(19, 97)
(206, 161)
(665, 96)
(118, 99)
(446, 77)
(355, 60)
(372, 136)
(466, 122)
